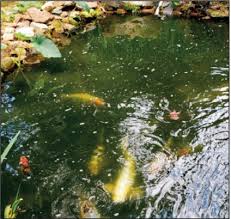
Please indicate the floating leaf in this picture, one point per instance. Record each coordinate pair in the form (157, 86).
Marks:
(46, 47)
(9, 146)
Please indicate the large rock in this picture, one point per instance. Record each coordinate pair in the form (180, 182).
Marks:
(26, 31)
(113, 4)
(7, 37)
(141, 3)
(19, 43)
(93, 4)
(38, 25)
(23, 23)
(39, 16)
(48, 6)
(167, 10)
(9, 30)
(68, 27)
(57, 11)
(147, 11)
(8, 34)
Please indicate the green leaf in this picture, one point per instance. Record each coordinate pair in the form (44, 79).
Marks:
(22, 6)
(16, 204)
(46, 47)
(21, 36)
(175, 3)
(9, 146)
(83, 5)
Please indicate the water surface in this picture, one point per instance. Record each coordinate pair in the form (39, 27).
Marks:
(143, 68)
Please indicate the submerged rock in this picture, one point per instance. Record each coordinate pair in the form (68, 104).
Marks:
(48, 6)
(8, 34)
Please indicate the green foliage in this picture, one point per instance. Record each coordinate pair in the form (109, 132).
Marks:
(83, 5)
(8, 16)
(46, 47)
(21, 36)
(22, 6)
(12, 210)
(90, 14)
(175, 3)
(9, 146)
(131, 7)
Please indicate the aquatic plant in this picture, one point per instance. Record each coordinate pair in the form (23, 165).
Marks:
(131, 7)
(11, 210)
(9, 146)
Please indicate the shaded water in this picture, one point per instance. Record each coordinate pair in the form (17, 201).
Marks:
(143, 68)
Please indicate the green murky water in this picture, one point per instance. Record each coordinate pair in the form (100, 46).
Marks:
(143, 68)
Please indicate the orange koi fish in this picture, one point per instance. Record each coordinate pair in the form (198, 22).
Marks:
(86, 98)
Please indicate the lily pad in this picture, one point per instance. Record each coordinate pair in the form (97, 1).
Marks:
(46, 47)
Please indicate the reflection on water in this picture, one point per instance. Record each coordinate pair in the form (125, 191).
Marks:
(144, 69)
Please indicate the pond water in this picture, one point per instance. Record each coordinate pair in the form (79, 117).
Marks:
(144, 69)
